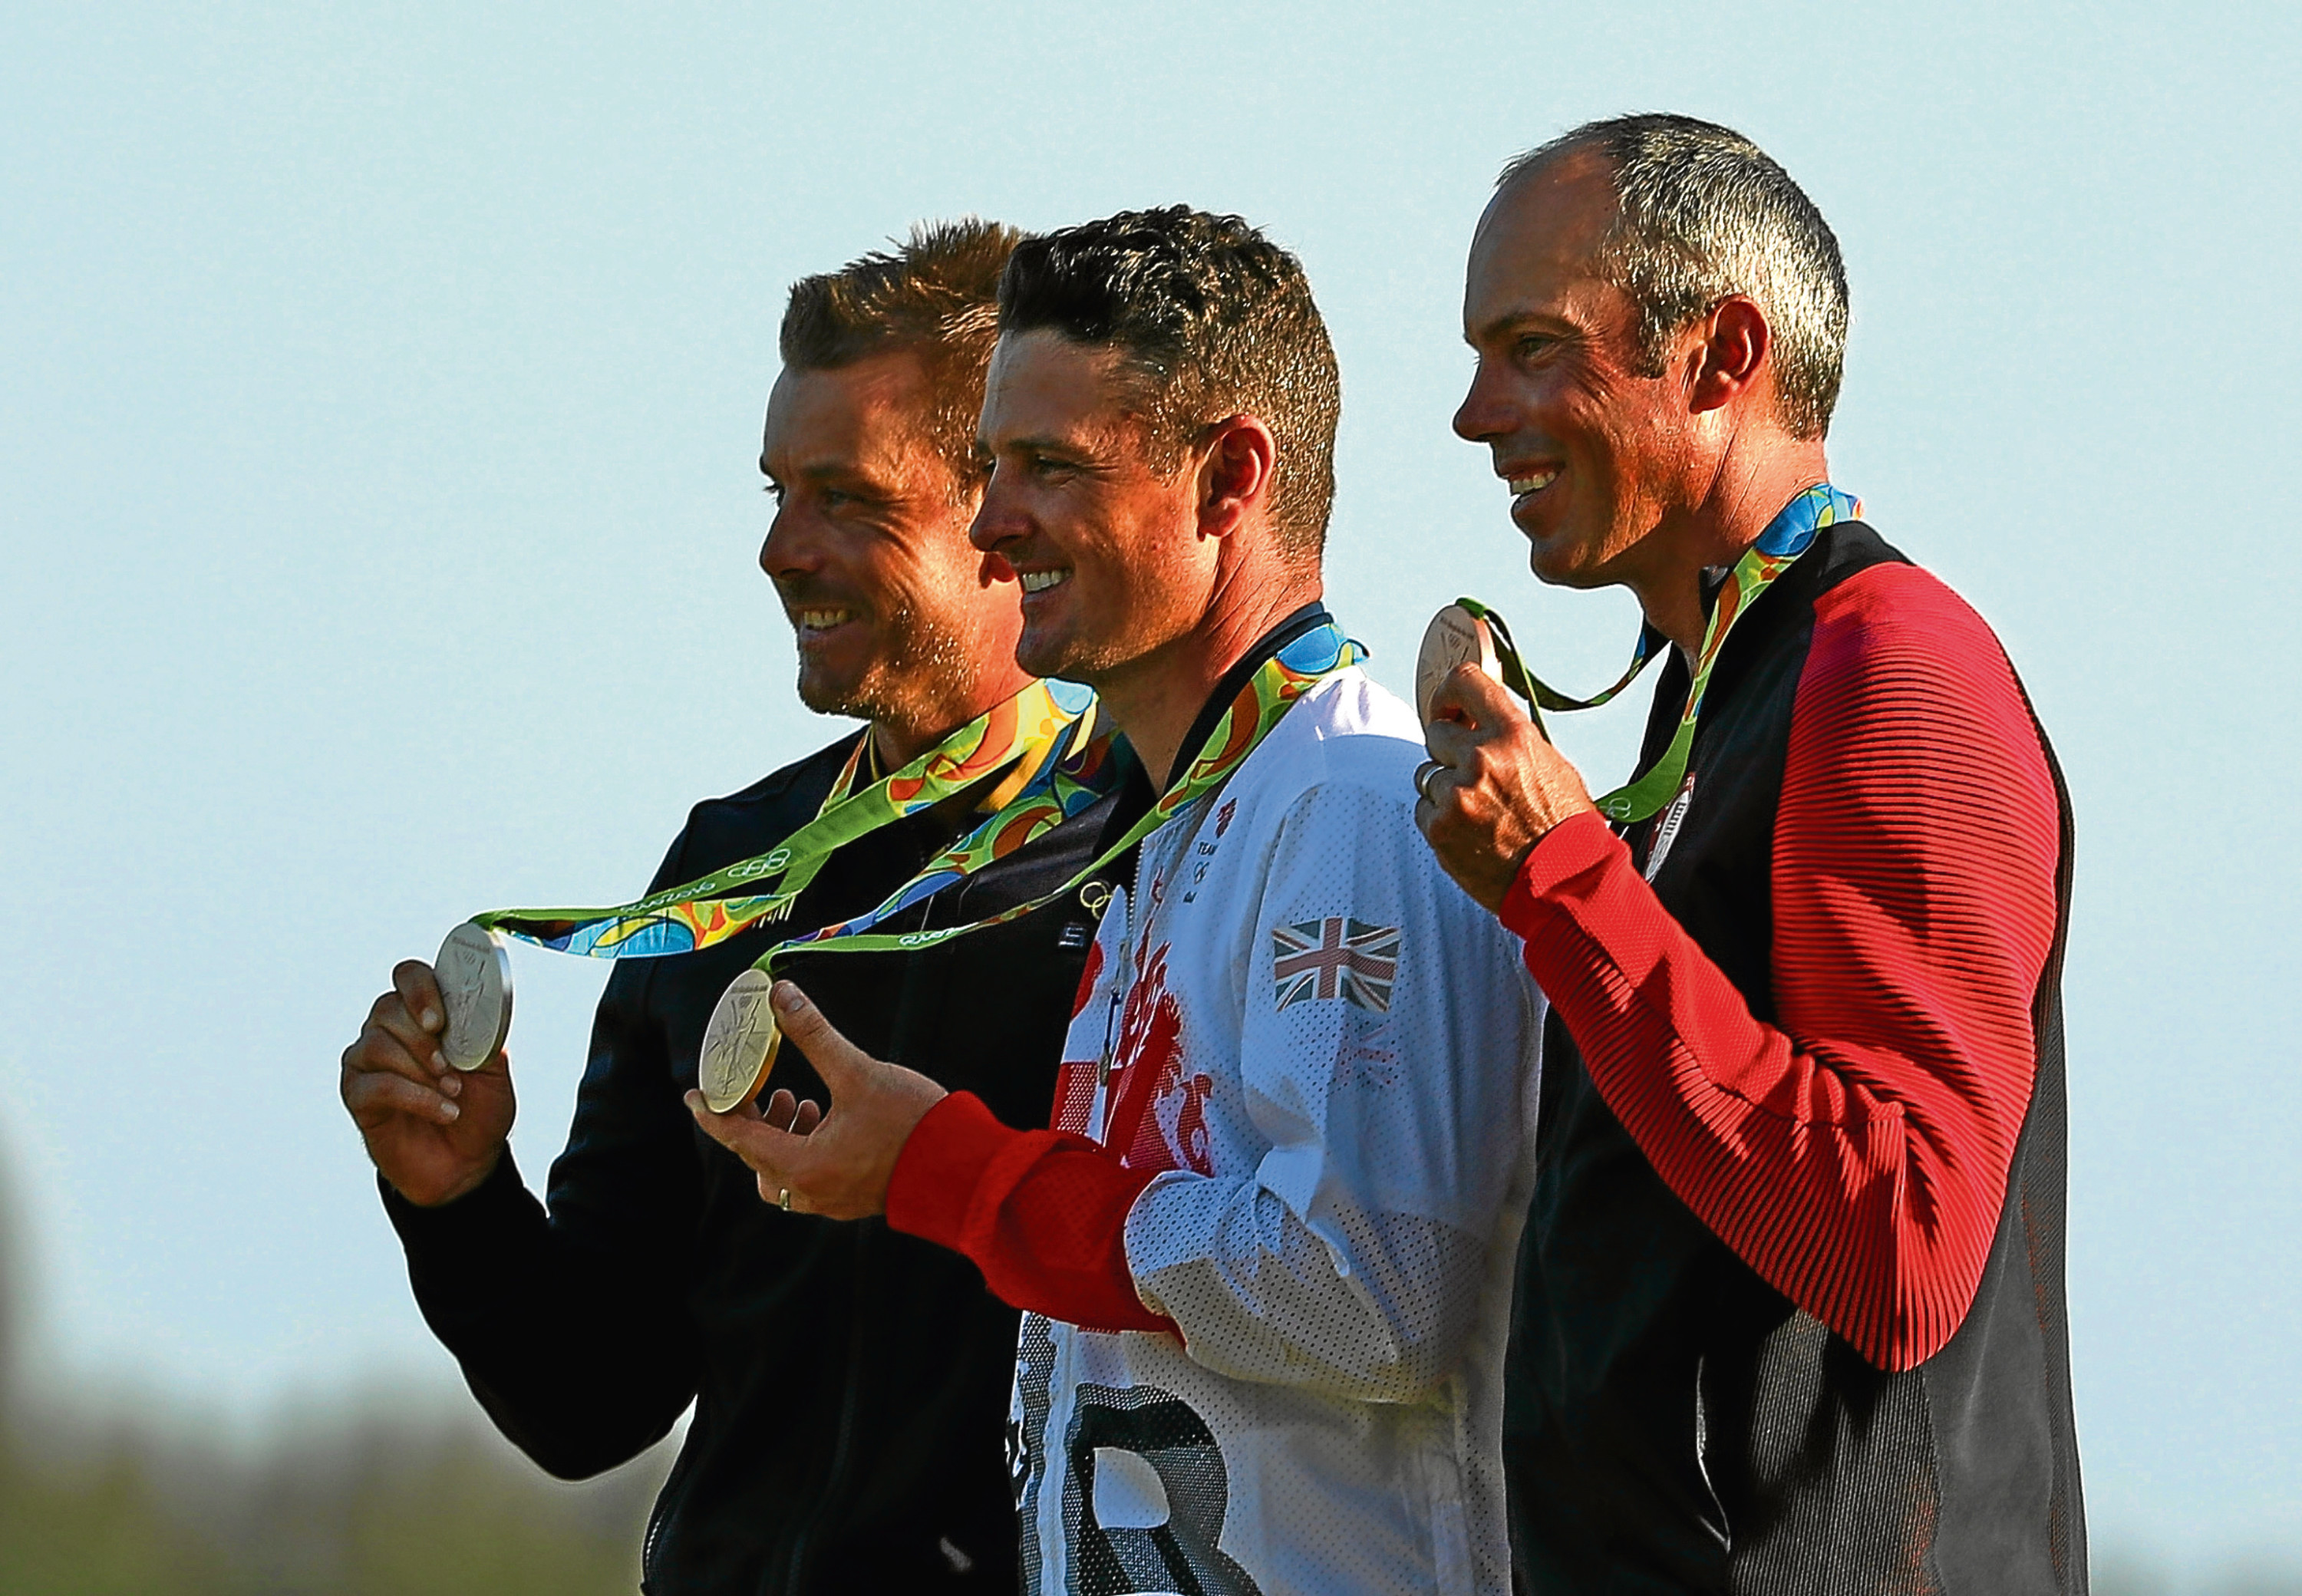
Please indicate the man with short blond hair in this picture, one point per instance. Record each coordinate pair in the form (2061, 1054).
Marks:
(848, 1384)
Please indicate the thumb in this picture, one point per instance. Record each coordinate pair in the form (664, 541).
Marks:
(837, 1059)
(1472, 694)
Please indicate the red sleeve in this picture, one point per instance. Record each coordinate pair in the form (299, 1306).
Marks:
(1042, 1213)
(1857, 1156)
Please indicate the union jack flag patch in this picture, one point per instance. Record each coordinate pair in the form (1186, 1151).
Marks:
(1335, 957)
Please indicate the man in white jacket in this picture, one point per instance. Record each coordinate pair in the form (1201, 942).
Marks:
(1264, 1251)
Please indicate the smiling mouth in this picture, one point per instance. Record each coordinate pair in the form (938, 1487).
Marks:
(1039, 582)
(811, 621)
(1535, 481)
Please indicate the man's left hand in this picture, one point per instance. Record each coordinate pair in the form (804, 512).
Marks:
(1498, 784)
(835, 1162)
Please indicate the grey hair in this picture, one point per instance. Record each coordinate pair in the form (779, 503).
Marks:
(1702, 215)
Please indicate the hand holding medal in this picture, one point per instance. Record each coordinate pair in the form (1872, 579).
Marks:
(435, 1128)
(807, 1159)
(1455, 638)
(1493, 785)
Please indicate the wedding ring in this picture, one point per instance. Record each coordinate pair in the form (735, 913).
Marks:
(1429, 769)
(783, 1201)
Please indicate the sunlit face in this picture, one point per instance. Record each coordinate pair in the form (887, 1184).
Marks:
(1593, 453)
(1107, 546)
(896, 616)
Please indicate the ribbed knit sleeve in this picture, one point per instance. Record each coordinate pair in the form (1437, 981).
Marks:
(1042, 1213)
(1854, 1153)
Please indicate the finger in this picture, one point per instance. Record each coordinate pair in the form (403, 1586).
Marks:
(391, 1015)
(1449, 701)
(1489, 704)
(372, 1097)
(1451, 742)
(1468, 696)
(781, 1106)
(767, 1150)
(378, 1048)
(419, 989)
(774, 1194)
(804, 1122)
(1425, 812)
(837, 1061)
(1433, 780)
(747, 1110)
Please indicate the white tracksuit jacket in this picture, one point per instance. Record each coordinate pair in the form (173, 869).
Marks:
(1344, 1048)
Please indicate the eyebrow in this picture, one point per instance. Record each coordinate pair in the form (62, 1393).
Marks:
(1036, 441)
(1509, 321)
(820, 470)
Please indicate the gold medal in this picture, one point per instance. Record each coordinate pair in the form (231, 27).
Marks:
(739, 1043)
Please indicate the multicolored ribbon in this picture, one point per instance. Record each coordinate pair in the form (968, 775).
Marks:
(1787, 536)
(1042, 737)
(1287, 676)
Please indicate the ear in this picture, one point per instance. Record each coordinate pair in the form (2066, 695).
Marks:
(1235, 476)
(1731, 360)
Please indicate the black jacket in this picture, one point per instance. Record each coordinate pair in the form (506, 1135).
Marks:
(850, 1384)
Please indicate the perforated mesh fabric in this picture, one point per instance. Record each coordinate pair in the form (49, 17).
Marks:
(1334, 1049)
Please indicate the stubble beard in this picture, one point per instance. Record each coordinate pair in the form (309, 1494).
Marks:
(924, 662)
(1141, 620)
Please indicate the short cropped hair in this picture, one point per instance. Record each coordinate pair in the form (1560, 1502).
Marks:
(1211, 320)
(1704, 214)
(936, 295)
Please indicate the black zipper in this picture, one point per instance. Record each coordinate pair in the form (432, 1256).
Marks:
(647, 1548)
(859, 1319)
(835, 1477)
(673, 1484)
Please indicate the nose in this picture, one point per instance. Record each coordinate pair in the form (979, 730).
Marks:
(1485, 413)
(789, 551)
(999, 520)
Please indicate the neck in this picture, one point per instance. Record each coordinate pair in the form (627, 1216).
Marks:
(1155, 698)
(1736, 504)
(898, 740)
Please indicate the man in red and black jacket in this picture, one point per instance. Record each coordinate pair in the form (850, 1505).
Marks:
(1790, 1306)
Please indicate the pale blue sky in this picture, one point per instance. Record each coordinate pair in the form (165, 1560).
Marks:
(379, 404)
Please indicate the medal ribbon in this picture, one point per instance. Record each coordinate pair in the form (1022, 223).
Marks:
(1787, 536)
(1287, 676)
(1022, 734)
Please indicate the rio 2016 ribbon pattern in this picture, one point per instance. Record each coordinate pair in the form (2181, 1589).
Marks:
(1019, 733)
(1787, 536)
(741, 1040)
(1040, 746)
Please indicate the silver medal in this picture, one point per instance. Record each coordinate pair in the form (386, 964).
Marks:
(475, 979)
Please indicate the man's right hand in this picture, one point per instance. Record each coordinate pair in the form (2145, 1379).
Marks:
(434, 1132)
